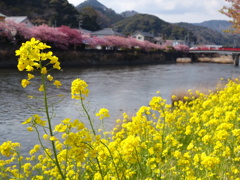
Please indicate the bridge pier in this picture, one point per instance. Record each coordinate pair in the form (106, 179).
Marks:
(236, 59)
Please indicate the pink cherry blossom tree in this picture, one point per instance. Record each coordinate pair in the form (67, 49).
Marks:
(134, 43)
(22, 32)
(98, 41)
(182, 48)
(117, 41)
(51, 36)
(73, 36)
(7, 33)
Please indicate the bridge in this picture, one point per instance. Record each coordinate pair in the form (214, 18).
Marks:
(234, 52)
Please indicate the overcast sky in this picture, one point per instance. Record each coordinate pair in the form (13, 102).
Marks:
(192, 11)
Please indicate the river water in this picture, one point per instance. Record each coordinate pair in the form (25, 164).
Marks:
(117, 88)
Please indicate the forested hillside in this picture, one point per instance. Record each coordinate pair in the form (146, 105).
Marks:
(51, 12)
(152, 24)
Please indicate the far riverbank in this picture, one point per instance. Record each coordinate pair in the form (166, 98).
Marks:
(92, 57)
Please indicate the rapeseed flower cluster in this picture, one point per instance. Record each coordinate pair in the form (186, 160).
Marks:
(196, 139)
(79, 89)
(103, 113)
(32, 56)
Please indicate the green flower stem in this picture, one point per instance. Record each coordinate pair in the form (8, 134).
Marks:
(19, 164)
(50, 125)
(99, 166)
(88, 116)
(66, 162)
(138, 161)
(115, 166)
(40, 141)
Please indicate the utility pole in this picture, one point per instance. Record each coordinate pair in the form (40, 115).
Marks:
(80, 24)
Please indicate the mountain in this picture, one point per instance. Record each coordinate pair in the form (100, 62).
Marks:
(94, 13)
(217, 25)
(91, 3)
(206, 35)
(127, 14)
(51, 12)
(208, 32)
(152, 24)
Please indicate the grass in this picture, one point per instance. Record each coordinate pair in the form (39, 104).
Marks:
(221, 59)
(183, 60)
(185, 95)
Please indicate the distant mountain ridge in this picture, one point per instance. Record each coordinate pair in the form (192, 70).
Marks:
(216, 25)
(209, 36)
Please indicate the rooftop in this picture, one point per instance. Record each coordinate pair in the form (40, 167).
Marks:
(17, 19)
(146, 34)
(2, 15)
(107, 32)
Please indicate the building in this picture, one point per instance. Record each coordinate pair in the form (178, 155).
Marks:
(85, 31)
(2, 17)
(20, 19)
(143, 36)
(159, 40)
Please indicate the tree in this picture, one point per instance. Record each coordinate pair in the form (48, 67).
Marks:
(89, 19)
(182, 48)
(234, 13)
(21, 31)
(6, 33)
(73, 36)
(51, 36)
(117, 41)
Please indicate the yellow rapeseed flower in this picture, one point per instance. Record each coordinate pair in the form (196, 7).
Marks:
(102, 113)
(27, 121)
(57, 83)
(30, 128)
(79, 89)
(45, 136)
(8, 148)
(30, 76)
(44, 70)
(25, 82)
(60, 128)
(53, 138)
(41, 88)
(49, 77)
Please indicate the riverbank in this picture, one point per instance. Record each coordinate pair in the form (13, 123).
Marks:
(111, 57)
(93, 57)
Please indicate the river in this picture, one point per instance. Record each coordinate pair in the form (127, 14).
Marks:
(117, 88)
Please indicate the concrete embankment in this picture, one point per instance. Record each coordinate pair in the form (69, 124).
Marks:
(99, 57)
